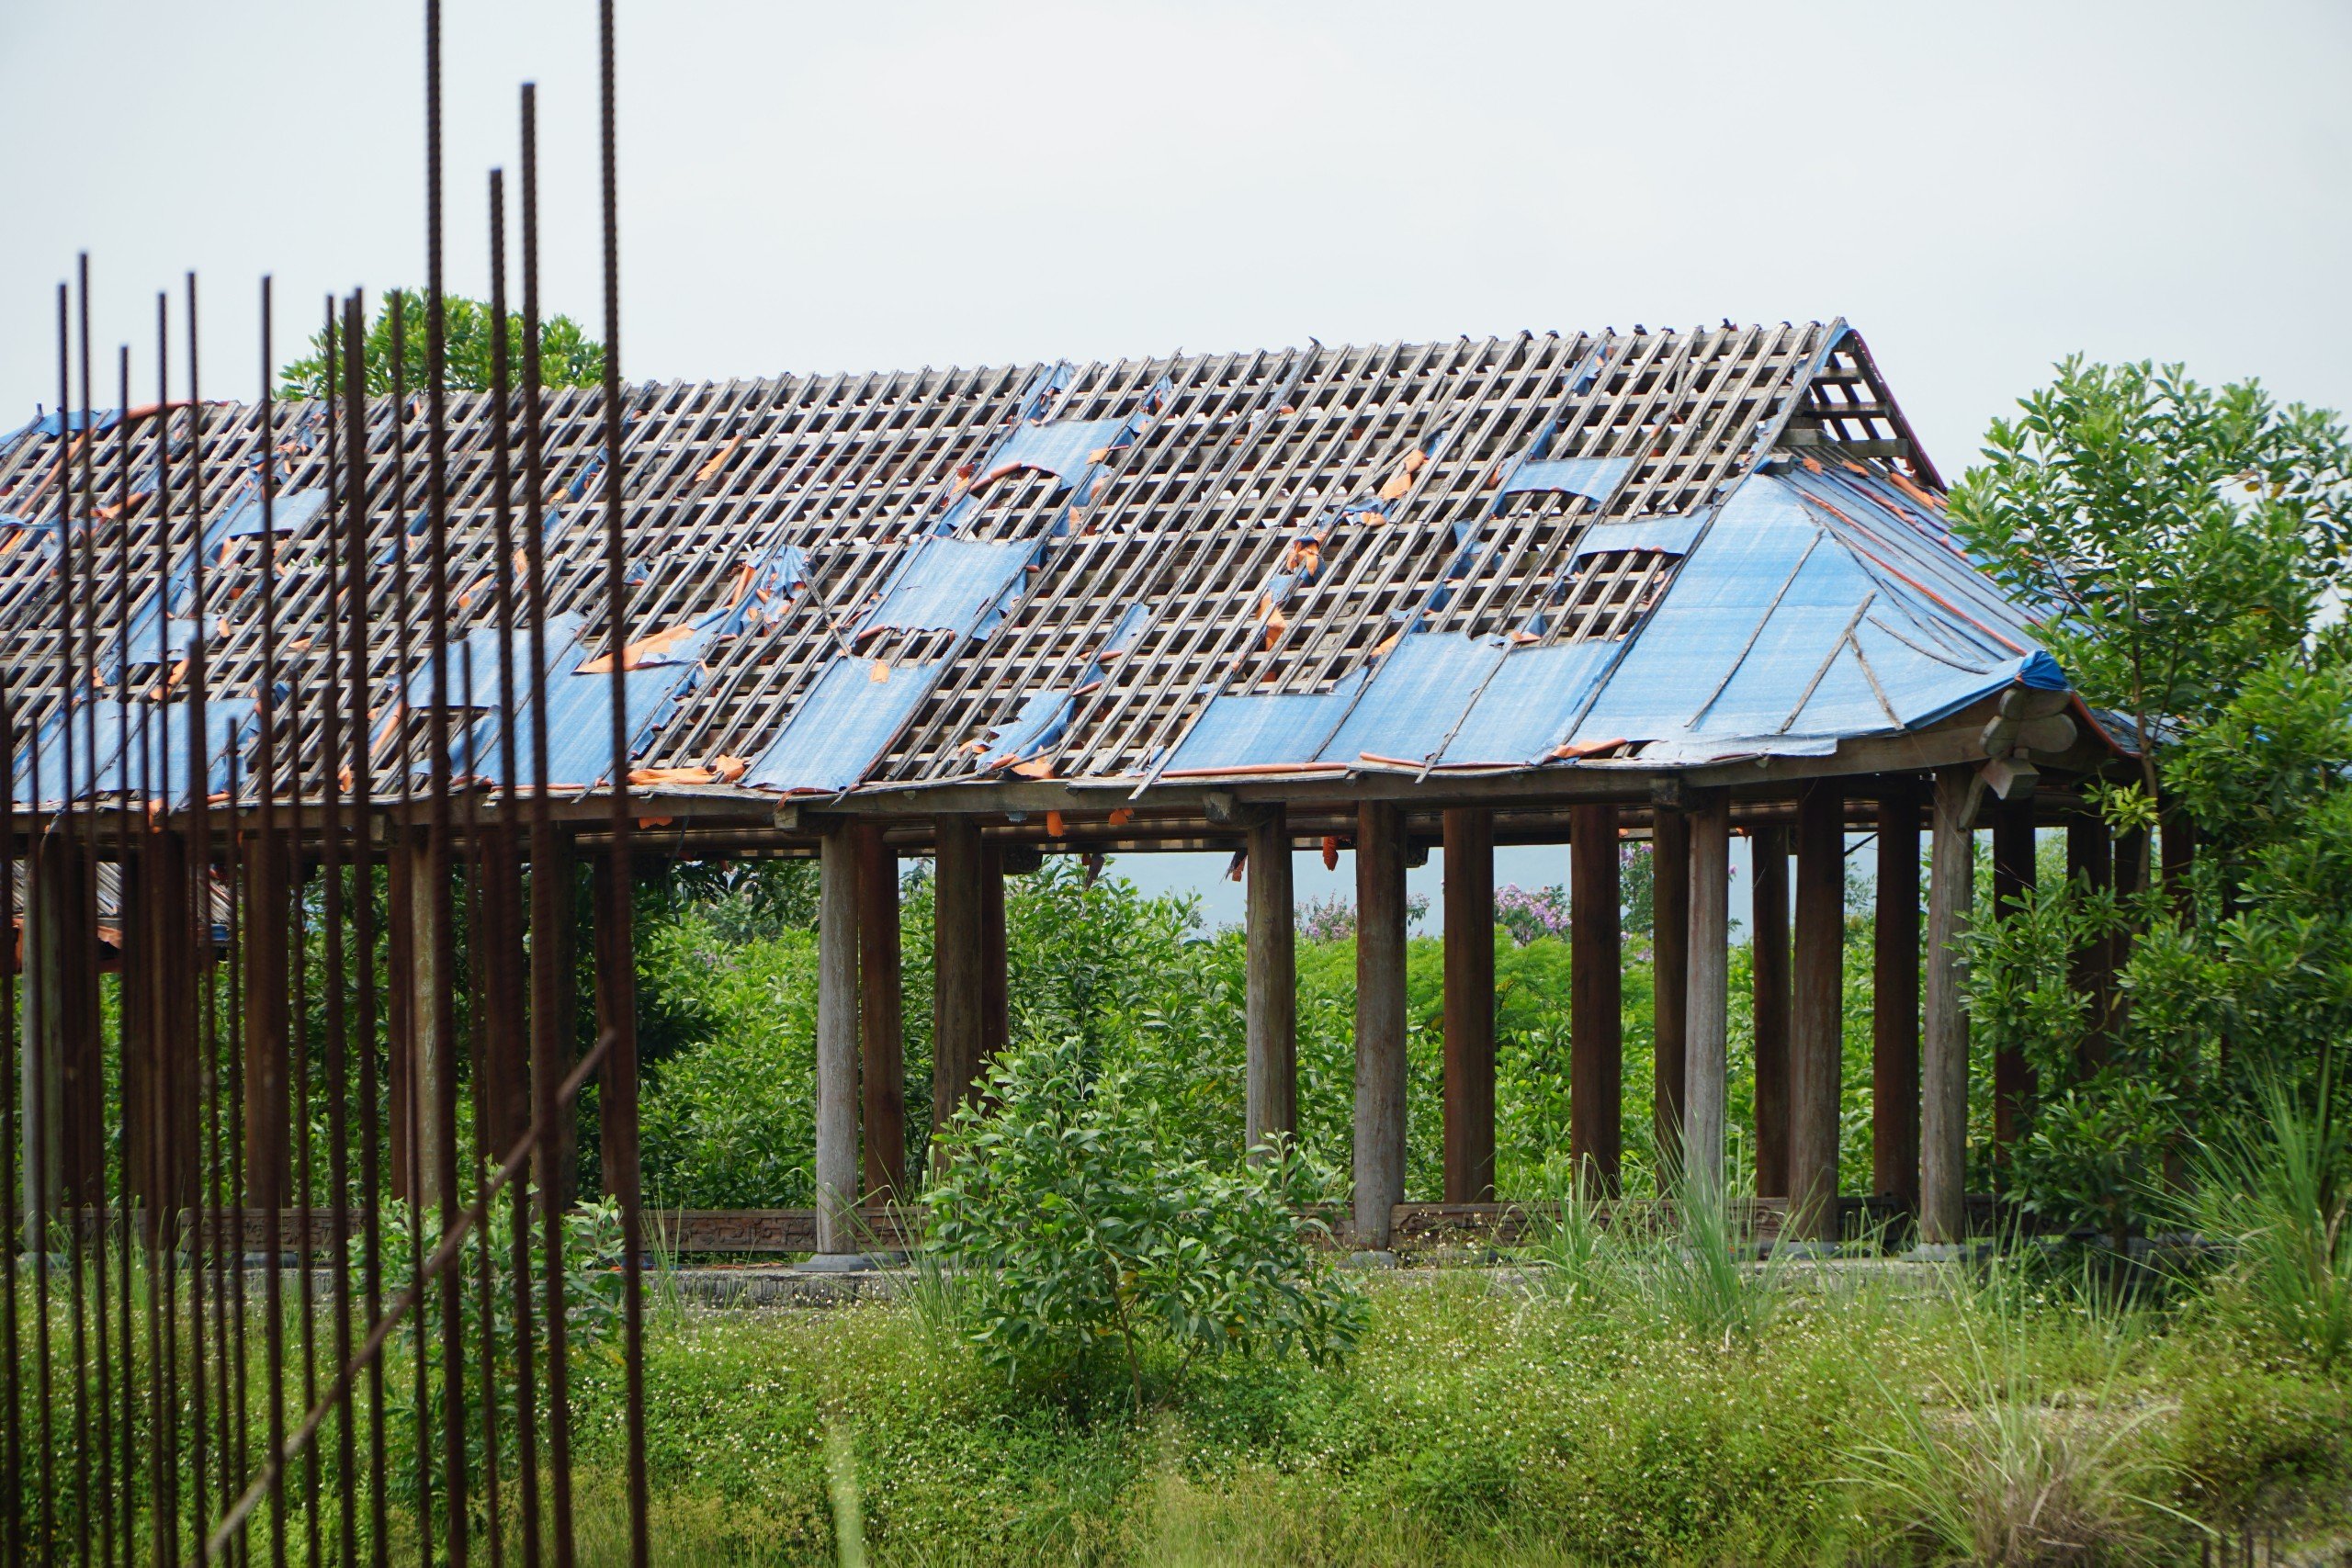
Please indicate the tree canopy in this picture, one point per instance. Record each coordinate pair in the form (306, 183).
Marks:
(567, 355)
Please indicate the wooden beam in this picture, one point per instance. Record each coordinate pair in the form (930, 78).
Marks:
(1469, 1005)
(837, 1042)
(881, 1019)
(1943, 1098)
(1596, 1013)
(1706, 1013)
(1271, 939)
(1894, 993)
(1816, 1020)
(1671, 975)
(955, 998)
(1767, 847)
(265, 981)
(1380, 1023)
(2013, 874)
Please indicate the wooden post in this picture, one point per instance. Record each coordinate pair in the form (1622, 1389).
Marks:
(555, 988)
(955, 996)
(1943, 1100)
(41, 1084)
(1671, 980)
(1817, 1019)
(996, 1019)
(1270, 1089)
(1768, 850)
(881, 1019)
(399, 1013)
(837, 1040)
(1596, 1011)
(416, 951)
(2013, 873)
(264, 1006)
(1894, 991)
(2090, 861)
(1469, 1005)
(1706, 1012)
(2179, 856)
(1379, 1022)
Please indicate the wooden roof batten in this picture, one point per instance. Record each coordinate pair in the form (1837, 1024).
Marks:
(1071, 581)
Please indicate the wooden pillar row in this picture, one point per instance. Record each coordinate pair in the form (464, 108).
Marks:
(1270, 958)
(1767, 847)
(881, 1020)
(1379, 1022)
(1816, 1017)
(1943, 1090)
(1670, 973)
(837, 1041)
(1596, 1013)
(1894, 991)
(1706, 1011)
(956, 962)
(1469, 1005)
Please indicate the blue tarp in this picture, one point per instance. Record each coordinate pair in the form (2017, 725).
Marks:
(1528, 706)
(1044, 717)
(75, 743)
(1236, 730)
(156, 765)
(956, 585)
(843, 725)
(579, 708)
(1064, 448)
(1593, 478)
(287, 515)
(1418, 690)
(1668, 536)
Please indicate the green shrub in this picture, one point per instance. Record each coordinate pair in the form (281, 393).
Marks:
(1072, 1228)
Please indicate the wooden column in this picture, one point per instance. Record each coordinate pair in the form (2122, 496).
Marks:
(1943, 1098)
(161, 1019)
(1469, 1005)
(2090, 862)
(2013, 873)
(955, 997)
(1769, 949)
(1271, 1088)
(996, 1019)
(1671, 980)
(1596, 1011)
(2179, 856)
(555, 999)
(46, 962)
(400, 1014)
(265, 982)
(1816, 1018)
(1707, 1011)
(1379, 1022)
(881, 1019)
(1894, 990)
(837, 1040)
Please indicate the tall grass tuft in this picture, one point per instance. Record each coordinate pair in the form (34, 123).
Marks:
(2279, 1195)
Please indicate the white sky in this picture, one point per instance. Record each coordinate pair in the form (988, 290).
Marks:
(1980, 189)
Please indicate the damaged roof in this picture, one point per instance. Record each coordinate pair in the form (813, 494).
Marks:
(1555, 551)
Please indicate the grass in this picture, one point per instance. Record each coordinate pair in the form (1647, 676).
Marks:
(1637, 1404)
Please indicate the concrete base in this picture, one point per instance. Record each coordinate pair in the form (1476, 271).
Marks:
(1947, 1251)
(1372, 1260)
(835, 1263)
(1798, 1250)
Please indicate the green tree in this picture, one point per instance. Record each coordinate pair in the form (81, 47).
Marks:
(568, 356)
(2178, 536)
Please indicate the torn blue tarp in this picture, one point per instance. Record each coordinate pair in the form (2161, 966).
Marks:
(155, 640)
(1252, 732)
(1594, 478)
(762, 592)
(474, 656)
(287, 515)
(1779, 632)
(1529, 704)
(1064, 448)
(1044, 717)
(956, 585)
(843, 725)
(1414, 698)
(76, 742)
(153, 763)
(580, 711)
(1668, 536)
(56, 424)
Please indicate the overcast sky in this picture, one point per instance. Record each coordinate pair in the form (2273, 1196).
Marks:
(1981, 189)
